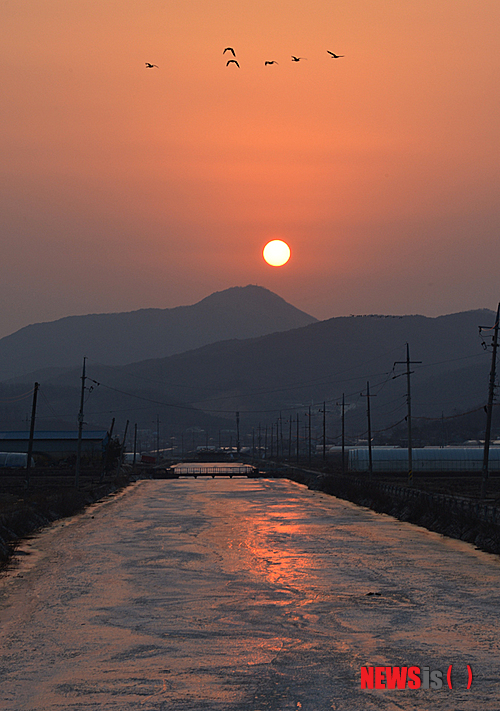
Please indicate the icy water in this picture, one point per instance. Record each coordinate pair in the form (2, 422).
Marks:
(236, 594)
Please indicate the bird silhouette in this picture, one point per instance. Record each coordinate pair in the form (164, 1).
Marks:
(297, 59)
(273, 62)
(232, 61)
(150, 66)
(229, 49)
(334, 56)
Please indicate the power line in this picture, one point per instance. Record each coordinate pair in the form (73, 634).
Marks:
(16, 398)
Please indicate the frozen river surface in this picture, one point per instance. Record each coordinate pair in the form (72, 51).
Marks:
(249, 595)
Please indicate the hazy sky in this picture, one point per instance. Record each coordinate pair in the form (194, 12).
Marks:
(124, 187)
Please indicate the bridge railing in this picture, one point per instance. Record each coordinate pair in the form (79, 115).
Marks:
(182, 470)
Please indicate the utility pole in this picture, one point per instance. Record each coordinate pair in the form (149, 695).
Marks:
(265, 443)
(324, 431)
(122, 449)
(298, 439)
(309, 455)
(368, 415)
(80, 429)
(32, 433)
(106, 452)
(157, 439)
(135, 447)
(238, 433)
(489, 407)
(342, 418)
(281, 437)
(370, 461)
(343, 433)
(408, 362)
(290, 439)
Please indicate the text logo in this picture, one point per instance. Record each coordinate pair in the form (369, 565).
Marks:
(408, 678)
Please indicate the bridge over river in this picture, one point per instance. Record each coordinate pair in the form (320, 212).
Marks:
(212, 469)
(243, 595)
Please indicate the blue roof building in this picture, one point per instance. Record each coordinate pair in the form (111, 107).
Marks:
(55, 445)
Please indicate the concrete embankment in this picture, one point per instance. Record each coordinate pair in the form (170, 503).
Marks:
(32, 510)
(466, 519)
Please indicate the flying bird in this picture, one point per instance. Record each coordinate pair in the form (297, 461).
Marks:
(297, 59)
(150, 66)
(232, 61)
(229, 49)
(335, 56)
(273, 62)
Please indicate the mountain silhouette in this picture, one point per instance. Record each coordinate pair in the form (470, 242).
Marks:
(321, 361)
(284, 373)
(120, 338)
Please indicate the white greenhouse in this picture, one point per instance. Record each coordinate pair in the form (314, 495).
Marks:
(14, 459)
(431, 459)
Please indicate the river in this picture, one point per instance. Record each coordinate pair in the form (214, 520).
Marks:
(243, 595)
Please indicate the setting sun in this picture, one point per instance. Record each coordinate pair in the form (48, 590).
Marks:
(276, 253)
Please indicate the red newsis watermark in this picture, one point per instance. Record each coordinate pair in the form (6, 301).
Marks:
(408, 678)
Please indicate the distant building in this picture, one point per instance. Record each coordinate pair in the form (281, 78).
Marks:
(424, 459)
(14, 460)
(55, 446)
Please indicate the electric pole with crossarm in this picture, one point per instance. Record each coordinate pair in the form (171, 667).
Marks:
(368, 415)
(80, 428)
(408, 362)
(489, 407)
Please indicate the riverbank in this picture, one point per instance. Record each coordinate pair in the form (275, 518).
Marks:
(461, 517)
(445, 506)
(49, 498)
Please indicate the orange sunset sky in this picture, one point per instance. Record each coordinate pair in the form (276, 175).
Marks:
(124, 187)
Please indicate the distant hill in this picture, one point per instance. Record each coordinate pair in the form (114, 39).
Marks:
(120, 338)
(290, 371)
(283, 371)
